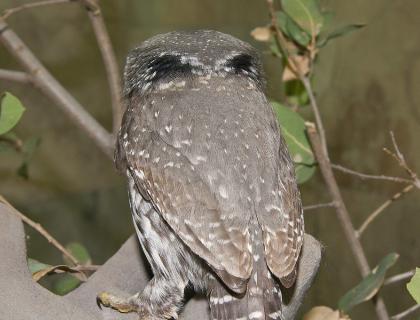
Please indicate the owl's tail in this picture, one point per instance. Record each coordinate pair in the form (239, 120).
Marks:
(262, 300)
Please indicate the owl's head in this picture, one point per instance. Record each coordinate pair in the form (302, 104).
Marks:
(178, 55)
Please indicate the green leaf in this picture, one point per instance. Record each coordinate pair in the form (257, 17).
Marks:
(35, 265)
(342, 31)
(306, 13)
(11, 110)
(327, 19)
(414, 286)
(296, 93)
(294, 132)
(79, 252)
(292, 30)
(369, 286)
(274, 48)
(65, 284)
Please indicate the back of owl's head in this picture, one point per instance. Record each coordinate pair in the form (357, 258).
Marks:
(185, 54)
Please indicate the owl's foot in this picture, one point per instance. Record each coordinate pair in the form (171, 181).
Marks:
(123, 305)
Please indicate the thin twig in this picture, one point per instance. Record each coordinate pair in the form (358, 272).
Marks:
(342, 213)
(15, 76)
(54, 90)
(42, 231)
(319, 205)
(295, 68)
(8, 12)
(399, 277)
(318, 120)
(110, 63)
(406, 313)
(369, 176)
(381, 208)
(399, 157)
(15, 143)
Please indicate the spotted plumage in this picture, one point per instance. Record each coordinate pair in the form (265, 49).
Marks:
(211, 184)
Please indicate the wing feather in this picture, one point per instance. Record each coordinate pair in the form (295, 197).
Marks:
(191, 210)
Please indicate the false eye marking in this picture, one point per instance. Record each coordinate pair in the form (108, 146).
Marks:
(243, 64)
(165, 66)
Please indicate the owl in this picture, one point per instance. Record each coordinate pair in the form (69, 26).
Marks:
(211, 184)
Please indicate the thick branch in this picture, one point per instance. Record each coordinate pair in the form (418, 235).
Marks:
(54, 90)
(342, 213)
(124, 273)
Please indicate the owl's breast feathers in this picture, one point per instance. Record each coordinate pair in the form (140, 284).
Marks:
(208, 154)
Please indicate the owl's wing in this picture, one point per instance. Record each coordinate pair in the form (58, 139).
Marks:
(282, 223)
(166, 177)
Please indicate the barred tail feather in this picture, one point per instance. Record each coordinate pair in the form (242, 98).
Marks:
(262, 300)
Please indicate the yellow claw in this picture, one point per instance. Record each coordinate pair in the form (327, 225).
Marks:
(120, 304)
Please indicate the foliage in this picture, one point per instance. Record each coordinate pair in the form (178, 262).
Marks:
(369, 286)
(11, 112)
(71, 276)
(414, 286)
(294, 132)
(305, 28)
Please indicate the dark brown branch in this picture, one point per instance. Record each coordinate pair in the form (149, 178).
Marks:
(54, 90)
(364, 176)
(342, 213)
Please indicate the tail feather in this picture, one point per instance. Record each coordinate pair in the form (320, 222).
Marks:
(262, 300)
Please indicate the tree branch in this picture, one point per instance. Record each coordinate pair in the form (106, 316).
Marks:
(342, 213)
(41, 230)
(9, 12)
(15, 76)
(110, 62)
(319, 205)
(381, 208)
(399, 277)
(364, 176)
(407, 312)
(54, 90)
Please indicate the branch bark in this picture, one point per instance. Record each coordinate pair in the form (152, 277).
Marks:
(54, 90)
(124, 273)
(342, 213)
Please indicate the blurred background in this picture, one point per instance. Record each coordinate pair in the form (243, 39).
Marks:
(367, 84)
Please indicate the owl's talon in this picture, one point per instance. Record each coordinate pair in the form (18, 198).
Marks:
(122, 305)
